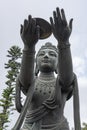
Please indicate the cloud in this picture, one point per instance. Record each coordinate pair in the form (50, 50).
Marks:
(83, 81)
(79, 65)
(86, 53)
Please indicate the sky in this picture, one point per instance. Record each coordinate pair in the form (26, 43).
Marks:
(13, 13)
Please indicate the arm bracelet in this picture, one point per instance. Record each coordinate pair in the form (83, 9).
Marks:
(62, 46)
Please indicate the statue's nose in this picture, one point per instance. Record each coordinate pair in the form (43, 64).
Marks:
(46, 55)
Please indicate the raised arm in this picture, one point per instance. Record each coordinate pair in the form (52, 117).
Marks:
(30, 35)
(62, 31)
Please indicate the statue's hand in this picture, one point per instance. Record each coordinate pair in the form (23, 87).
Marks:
(30, 32)
(60, 27)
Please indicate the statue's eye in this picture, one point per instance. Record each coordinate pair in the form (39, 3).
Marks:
(41, 54)
(52, 54)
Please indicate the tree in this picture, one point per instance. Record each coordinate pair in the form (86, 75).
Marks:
(8, 94)
(84, 126)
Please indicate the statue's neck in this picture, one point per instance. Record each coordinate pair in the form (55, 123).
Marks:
(46, 76)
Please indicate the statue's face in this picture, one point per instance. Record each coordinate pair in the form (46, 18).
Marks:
(47, 60)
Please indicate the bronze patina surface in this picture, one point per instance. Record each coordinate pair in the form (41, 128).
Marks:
(49, 82)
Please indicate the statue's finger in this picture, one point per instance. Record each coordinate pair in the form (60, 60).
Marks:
(29, 22)
(33, 26)
(52, 24)
(55, 16)
(25, 25)
(63, 16)
(58, 14)
(70, 23)
(51, 21)
(29, 18)
(21, 29)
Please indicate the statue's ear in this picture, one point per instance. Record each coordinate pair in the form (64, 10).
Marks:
(36, 70)
(56, 71)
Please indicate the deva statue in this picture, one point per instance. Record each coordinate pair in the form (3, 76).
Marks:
(48, 80)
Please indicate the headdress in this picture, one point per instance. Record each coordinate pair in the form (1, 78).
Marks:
(48, 45)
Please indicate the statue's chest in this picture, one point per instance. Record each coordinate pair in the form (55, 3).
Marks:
(43, 90)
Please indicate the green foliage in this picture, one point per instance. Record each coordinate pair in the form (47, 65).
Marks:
(84, 126)
(8, 94)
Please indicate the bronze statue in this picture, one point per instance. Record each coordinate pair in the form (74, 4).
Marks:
(49, 93)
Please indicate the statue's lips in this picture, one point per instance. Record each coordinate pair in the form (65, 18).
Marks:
(46, 61)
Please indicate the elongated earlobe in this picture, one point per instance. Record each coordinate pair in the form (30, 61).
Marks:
(56, 71)
(36, 70)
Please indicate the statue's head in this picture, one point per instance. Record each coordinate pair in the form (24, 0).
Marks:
(47, 59)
